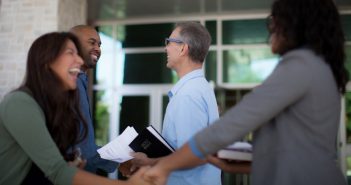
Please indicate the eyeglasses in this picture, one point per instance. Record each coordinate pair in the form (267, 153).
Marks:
(168, 40)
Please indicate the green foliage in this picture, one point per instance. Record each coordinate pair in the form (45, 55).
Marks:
(348, 116)
(101, 120)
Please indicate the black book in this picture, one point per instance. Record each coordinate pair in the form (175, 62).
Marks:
(150, 142)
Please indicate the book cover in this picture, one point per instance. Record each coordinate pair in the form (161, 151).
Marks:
(150, 142)
(240, 151)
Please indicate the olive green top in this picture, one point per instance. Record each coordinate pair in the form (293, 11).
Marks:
(25, 139)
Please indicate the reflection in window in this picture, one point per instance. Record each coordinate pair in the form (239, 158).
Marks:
(147, 68)
(211, 66)
(346, 23)
(147, 35)
(245, 32)
(248, 65)
(212, 29)
(348, 58)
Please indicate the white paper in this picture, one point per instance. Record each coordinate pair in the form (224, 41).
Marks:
(118, 149)
(241, 146)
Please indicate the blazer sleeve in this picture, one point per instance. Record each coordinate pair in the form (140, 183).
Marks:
(287, 84)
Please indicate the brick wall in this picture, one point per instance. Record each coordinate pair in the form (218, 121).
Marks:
(71, 13)
(21, 22)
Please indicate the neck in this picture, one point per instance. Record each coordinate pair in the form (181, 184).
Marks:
(84, 69)
(188, 67)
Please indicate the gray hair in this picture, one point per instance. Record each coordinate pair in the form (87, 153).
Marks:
(198, 39)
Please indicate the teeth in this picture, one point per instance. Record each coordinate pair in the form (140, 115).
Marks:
(74, 70)
(94, 57)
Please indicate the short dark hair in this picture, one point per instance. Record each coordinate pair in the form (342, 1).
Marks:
(61, 108)
(314, 24)
(198, 39)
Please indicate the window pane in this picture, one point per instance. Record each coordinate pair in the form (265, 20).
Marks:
(212, 28)
(254, 5)
(146, 69)
(343, 2)
(211, 66)
(348, 116)
(148, 35)
(348, 58)
(106, 30)
(245, 31)
(228, 98)
(110, 67)
(346, 23)
(134, 112)
(248, 65)
(165, 100)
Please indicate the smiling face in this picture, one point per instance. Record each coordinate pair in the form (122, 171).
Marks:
(90, 42)
(173, 50)
(67, 65)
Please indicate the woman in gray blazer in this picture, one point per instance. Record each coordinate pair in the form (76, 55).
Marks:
(294, 113)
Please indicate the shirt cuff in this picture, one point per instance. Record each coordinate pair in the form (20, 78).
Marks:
(194, 149)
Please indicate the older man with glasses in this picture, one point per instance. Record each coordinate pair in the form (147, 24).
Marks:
(192, 104)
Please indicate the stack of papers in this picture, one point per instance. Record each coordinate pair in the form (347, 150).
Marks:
(241, 151)
(118, 149)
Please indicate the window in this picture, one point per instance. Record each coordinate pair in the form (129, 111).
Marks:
(132, 80)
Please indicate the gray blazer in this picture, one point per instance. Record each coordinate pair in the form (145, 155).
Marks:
(295, 114)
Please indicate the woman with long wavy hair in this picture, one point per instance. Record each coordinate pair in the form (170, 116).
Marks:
(39, 121)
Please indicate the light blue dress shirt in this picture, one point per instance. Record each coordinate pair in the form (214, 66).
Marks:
(88, 147)
(192, 107)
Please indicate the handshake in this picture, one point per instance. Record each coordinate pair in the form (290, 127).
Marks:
(139, 160)
(157, 170)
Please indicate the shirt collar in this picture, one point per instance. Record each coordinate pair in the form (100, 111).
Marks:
(83, 77)
(193, 74)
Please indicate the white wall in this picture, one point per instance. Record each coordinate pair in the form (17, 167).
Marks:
(21, 22)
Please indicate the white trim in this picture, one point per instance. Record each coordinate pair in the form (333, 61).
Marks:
(218, 46)
(233, 15)
(219, 52)
(144, 50)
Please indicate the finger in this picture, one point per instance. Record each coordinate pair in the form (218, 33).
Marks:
(213, 159)
(133, 168)
(142, 170)
(138, 155)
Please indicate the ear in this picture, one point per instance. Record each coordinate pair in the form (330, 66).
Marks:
(185, 49)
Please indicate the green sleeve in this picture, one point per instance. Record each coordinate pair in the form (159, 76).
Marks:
(25, 121)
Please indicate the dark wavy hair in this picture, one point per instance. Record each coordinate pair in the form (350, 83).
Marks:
(61, 107)
(314, 24)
